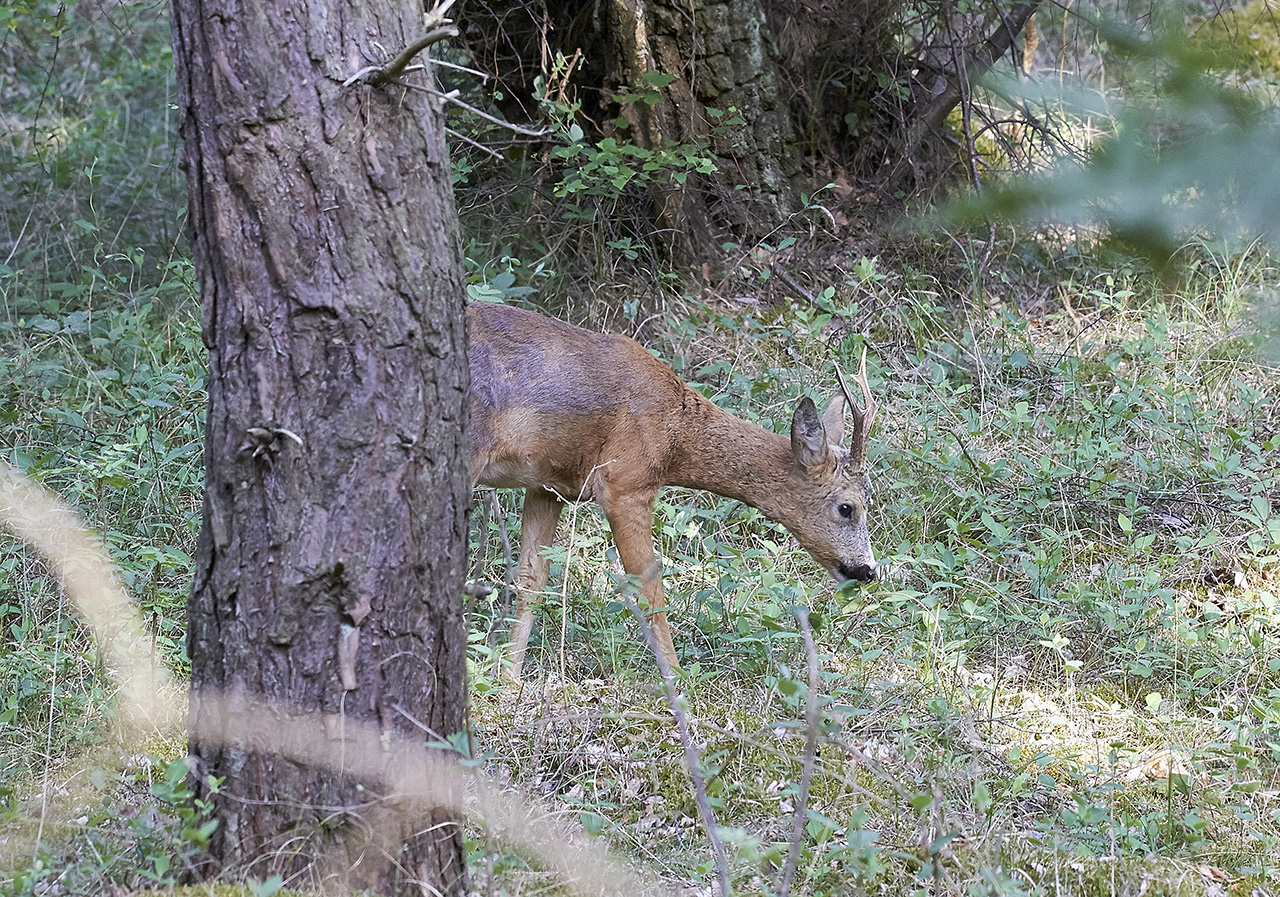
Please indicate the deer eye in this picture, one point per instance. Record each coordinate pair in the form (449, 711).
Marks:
(846, 511)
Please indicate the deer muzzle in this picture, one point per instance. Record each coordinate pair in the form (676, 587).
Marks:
(859, 572)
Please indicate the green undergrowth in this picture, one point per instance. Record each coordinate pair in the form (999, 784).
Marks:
(107, 820)
(104, 404)
(101, 368)
(1066, 683)
(1069, 676)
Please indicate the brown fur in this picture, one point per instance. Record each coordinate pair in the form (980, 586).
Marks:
(569, 414)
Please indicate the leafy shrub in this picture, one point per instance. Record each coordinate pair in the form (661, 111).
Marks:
(103, 403)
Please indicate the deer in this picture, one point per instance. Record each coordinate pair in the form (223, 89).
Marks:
(569, 414)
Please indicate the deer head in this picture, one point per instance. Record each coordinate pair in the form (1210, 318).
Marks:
(833, 485)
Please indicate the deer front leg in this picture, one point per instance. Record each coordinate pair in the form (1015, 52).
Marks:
(631, 520)
(538, 523)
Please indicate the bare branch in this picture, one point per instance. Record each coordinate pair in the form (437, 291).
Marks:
(791, 282)
(932, 113)
(690, 751)
(452, 97)
(810, 752)
(438, 28)
(376, 77)
(477, 144)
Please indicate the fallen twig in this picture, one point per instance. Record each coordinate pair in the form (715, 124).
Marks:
(810, 752)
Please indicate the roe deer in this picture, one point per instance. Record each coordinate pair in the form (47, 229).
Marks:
(566, 413)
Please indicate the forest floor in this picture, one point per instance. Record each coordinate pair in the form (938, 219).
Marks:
(1067, 682)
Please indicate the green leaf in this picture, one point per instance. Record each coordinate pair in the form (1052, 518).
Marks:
(593, 822)
(657, 79)
(922, 801)
(997, 529)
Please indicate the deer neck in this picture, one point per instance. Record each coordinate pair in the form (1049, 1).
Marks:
(723, 454)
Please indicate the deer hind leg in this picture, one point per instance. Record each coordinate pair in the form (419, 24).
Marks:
(538, 523)
(632, 523)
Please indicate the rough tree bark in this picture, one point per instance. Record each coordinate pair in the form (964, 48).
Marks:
(722, 58)
(332, 553)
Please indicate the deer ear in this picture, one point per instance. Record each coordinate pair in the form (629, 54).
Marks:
(833, 421)
(808, 435)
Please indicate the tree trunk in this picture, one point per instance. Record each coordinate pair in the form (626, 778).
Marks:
(725, 96)
(724, 100)
(332, 552)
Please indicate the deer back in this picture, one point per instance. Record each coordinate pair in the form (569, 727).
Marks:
(551, 402)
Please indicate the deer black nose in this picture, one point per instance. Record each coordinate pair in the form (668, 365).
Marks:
(862, 572)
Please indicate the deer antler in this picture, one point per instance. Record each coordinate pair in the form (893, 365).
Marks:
(862, 417)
